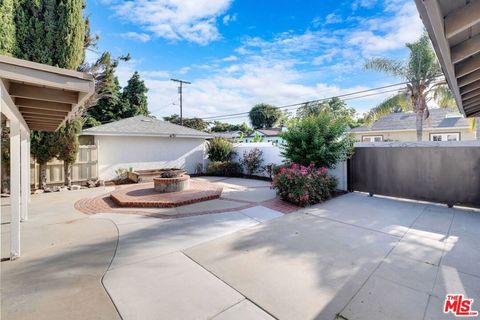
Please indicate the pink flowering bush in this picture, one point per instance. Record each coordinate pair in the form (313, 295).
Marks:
(304, 186)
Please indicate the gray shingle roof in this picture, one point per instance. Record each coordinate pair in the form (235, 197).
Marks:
(227, 134)
(272, 132)
(144, 126)
(439, 118)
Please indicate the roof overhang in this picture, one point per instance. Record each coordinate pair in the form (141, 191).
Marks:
(454, 28)
(45, 96)
(412, 130)
(133, 134)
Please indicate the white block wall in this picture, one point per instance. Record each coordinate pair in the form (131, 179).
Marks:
(147, 153)
(272, 154)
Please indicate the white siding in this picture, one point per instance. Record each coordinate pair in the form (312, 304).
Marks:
(147, 153)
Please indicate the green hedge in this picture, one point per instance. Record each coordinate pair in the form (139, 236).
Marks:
(224, 168)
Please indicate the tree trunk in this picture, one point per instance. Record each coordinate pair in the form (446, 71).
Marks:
(5, 177)
(67, 174)
(43, 176)
(419, 123)
(420, 107)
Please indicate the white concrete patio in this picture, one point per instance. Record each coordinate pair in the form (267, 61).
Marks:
(353, 257)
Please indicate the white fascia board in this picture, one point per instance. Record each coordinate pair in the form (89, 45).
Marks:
(413, 130)
(129, 134)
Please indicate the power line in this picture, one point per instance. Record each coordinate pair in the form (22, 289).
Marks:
(297, 105)
(317, 100)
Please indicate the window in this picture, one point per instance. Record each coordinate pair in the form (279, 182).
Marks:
(454, 136)
(372, 138)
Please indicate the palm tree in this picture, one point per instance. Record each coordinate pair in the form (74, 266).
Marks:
(421, 73)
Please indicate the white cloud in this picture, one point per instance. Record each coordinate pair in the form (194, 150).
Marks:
(142, 37)
(333, 18)
(229, 18)
(184, 70)
(389, 33)
(287, 68)
(191, 20)
(326, 57)
(363, 4)
(156, 74)
(230, 58)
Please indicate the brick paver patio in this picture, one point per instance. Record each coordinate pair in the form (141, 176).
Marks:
(143, 194)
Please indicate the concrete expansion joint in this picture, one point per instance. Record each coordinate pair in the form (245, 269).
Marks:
(226, 283)
(109, 266)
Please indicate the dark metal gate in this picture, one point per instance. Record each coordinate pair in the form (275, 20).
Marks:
(429, 172)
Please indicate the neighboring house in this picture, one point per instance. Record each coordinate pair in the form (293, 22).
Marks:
(145, 143)
(229, 135)
(271, 135)
(441, 125)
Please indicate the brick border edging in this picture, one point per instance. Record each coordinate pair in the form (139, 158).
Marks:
(161, 204)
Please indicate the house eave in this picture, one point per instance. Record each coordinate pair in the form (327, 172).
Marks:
(411, 130)
(132, 134)
(453, 27)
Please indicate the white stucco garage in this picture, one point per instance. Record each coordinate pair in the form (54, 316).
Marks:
(146, 143)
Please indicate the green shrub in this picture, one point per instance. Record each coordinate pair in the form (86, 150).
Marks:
(252, 160)
(122, 173)
(224, 168)
(303, 186)
(219, 149)
(321, 140)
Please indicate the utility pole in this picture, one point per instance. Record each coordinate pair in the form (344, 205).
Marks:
(180, 88)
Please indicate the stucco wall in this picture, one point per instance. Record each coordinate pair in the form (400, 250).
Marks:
(147, 153)
(272, 154)
(465, 134)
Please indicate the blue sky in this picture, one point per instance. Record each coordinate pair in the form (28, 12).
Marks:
(238, 53)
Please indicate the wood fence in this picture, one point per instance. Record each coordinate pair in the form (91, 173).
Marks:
(85, 168)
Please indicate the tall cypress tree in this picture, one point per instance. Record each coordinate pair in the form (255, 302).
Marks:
(71, 34)
(7, 27)
(50, 32)
(135, 96)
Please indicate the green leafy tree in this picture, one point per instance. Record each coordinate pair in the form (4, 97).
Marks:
(257, 137)
(310, 109)
(7, 30)
(263, 116)
(193, 123)
(420, 72)
(321, 139)
(109, 106)
(44, 147)
(219, 149)
(68, 146)
(219, 126)
(135, 96)
(109, 103)
(335, 106)
(105, 105)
